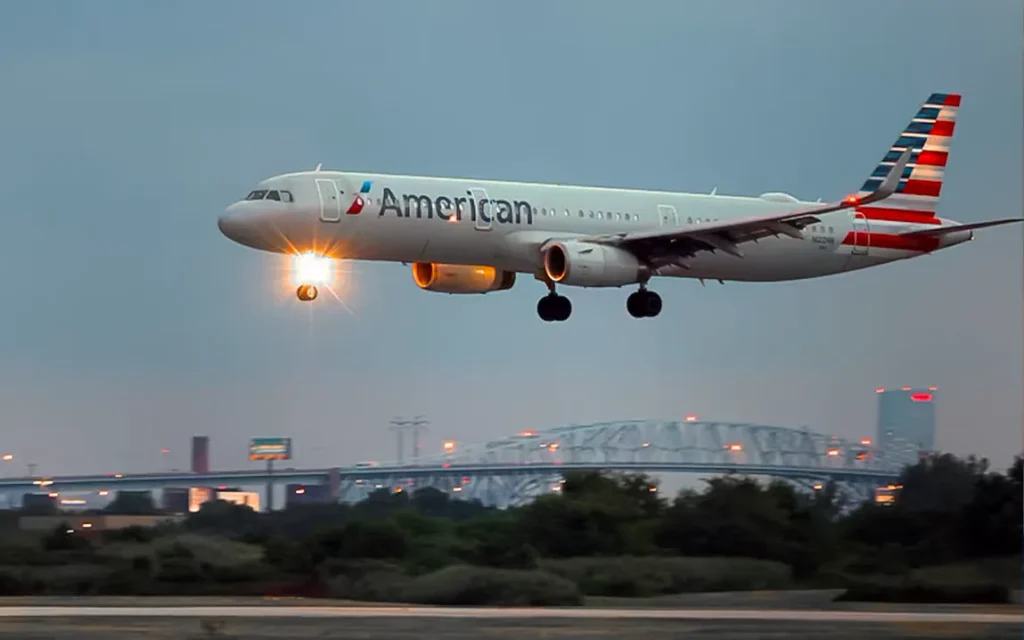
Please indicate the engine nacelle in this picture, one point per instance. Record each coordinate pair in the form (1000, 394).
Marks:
(460, 278)
(586, 264)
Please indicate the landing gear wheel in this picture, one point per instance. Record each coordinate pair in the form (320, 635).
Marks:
(307, 292)
(643, 304)
(554, 308)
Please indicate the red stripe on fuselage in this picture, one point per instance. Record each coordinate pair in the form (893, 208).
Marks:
(922, 188)
(915, 216)
(932, 158)
(922, 244)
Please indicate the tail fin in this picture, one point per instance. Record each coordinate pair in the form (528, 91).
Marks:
(929, 135)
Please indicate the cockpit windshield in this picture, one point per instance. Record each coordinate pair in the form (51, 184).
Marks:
(271, 194)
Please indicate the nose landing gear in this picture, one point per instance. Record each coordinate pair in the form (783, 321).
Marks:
(643, 304)
(307, 292)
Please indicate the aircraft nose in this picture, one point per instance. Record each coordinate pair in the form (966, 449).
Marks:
(230, 224)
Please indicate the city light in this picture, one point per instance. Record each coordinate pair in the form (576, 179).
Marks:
(735, 447)
(691, 418)
(7, 457)
(832, 453)
(449, 446)
(865, 442)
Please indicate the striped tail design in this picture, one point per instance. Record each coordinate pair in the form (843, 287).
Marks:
(917, 196)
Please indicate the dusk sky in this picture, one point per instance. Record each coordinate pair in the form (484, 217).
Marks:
(128, 323)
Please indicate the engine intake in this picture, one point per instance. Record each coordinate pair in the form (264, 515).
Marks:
(586, 264)
(460, 278)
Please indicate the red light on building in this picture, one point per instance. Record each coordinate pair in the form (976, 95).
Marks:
(691, 418)
(880, 390)
(921, 397)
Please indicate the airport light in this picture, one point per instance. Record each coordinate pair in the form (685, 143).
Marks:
(865, 442)
(832, 453)
(735, 447)
(8, 457)
(449, 446)
(692, 417)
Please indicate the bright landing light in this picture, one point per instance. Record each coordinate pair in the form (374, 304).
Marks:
(312, 269)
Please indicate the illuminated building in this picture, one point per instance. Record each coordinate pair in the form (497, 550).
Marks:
(906, 415)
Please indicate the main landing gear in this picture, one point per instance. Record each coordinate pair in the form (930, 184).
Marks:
(643, 304)
(554, 308)
(307, 292)
(640, 304)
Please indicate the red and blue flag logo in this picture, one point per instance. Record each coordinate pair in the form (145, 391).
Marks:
(359, 202)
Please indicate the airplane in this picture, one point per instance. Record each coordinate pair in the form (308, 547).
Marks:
(474, 236)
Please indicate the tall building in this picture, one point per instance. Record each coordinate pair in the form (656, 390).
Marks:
(906, 416)
(200, 454)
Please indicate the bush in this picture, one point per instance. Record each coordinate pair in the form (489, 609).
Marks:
(212, 550)
(457, 585)
(133, 533)
(651, 576)
(21, 554)
(917, 591)
(465, 585)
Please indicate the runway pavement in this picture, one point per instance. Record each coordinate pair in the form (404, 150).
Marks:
(9, 612)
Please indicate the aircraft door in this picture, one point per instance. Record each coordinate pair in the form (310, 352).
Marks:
(330, 200)
(667, 215)
(861, 235)
(485, 210)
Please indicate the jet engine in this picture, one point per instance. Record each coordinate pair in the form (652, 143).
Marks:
(587, 264)
(460, 278)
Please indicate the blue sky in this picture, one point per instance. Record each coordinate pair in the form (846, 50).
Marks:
(129, 324)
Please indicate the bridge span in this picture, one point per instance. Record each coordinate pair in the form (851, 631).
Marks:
(518, 468)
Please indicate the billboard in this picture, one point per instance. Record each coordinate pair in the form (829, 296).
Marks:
(270, 449)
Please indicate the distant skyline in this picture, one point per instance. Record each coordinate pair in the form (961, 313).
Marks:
(129, 324)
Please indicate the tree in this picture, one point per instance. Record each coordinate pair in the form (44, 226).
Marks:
(132, 503)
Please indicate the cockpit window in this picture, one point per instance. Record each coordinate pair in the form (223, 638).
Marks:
(264, 194)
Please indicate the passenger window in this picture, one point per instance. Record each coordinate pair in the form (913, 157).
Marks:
(566, 212)
(581, 213)
(689, 221)
(618, 216)
(273, 195)
(286, 196)
(831, 230)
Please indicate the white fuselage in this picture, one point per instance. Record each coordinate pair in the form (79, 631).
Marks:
(414, 219)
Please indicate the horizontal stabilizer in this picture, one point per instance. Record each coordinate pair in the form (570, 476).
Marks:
(941, 231)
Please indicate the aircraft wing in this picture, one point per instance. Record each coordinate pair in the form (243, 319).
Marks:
(670, 246)
(941, 231)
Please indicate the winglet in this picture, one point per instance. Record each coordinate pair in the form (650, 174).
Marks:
(889, 184)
